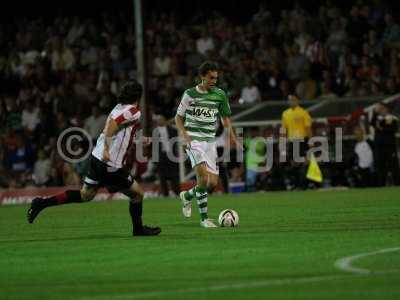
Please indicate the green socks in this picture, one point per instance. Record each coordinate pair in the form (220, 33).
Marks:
(190, 194)
(200, 194)
(202, 197)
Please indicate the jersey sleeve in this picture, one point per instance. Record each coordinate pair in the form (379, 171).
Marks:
(128, 116)
(224, 108)
(184, 105)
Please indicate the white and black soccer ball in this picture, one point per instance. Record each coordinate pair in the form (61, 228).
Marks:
(228, 218)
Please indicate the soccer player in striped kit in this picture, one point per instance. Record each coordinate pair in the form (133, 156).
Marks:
(107, 165)
(196, 119)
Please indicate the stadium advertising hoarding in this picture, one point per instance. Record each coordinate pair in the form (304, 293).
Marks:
(23, 196)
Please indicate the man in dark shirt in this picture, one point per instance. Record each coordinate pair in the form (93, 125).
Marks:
(386, 158)
(168, 168)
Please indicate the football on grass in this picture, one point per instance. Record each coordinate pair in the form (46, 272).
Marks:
(228, 218)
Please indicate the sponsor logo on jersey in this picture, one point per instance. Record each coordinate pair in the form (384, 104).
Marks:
(203, 112)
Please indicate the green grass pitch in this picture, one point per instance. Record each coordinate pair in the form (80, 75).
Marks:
(285, 248)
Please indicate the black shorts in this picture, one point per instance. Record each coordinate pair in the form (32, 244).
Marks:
(101, 175)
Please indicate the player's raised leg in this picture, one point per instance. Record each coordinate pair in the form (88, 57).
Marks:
(87, 193)
(136, 194)
(186, 200)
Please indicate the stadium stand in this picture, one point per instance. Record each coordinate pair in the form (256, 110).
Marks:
(54, 70)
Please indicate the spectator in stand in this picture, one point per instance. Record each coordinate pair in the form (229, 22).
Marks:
(162, 64)
(41, 169)
(204, 43)
(89, 55)
(284, 90)
(192, 57)
(95, 123)
(391, 34)
(326, 92)
(374, 50)
(356, 27)
(70, 176)
(19, 160)
(30, 116)
(13, 114)
(353, 88)
(76, 31)
(336, 42)
(298, 65)
(343, 80)
(390, 86)
(375, 89)
(364, 70)
(62, 57)
(268, 79)
(307, 88)
(375, 74)
(250, 93)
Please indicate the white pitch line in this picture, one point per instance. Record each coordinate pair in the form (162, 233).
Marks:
(244, 285)
(345, 263)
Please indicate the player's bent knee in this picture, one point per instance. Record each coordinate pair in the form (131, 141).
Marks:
(136, 192)
(87, 194)
(139, 193)
(212, 185)
(138, 196)
(203, 181)
(86, 197)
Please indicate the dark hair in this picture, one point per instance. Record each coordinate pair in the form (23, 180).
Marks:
(130, 92)
(207, 66)
(385, 105)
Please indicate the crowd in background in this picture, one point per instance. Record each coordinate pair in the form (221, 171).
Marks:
(371, 159)
(66, 71)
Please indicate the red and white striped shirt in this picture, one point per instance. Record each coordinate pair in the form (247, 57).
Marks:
(123, 114)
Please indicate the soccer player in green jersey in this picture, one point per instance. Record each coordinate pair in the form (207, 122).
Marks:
(196, 119)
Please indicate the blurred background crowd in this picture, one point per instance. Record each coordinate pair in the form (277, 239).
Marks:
(63, 71)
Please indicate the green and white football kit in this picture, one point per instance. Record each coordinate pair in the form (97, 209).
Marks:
(201, 111)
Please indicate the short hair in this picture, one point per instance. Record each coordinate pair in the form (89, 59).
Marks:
(385, 105)
(207, 66)
(294, 95)
(130, 92)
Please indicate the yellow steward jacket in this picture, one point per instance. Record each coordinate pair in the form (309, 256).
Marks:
(295, 121)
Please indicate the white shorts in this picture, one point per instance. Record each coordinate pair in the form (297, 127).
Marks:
(203, 152)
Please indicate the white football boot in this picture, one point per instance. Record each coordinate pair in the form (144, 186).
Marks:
(186, 206)
(207, 223)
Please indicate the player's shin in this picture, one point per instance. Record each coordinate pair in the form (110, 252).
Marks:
(190, 194)
(70, 196)
(135, 210)
(202, 199)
